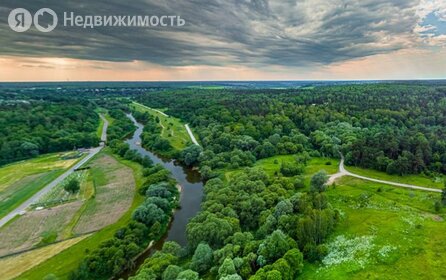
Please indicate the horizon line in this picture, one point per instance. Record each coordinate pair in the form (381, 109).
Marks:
(201, 81)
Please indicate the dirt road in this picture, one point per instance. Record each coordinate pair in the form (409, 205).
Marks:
(36, 197)
(344, 172)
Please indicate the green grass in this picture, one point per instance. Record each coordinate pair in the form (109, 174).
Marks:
(418, 180)
(15, 171)
(387, 233)
(58, 195)
(104, 112)
(13, 266)
(99, 176)
(172, 128)
(23, 190)
(272, 165)
(100, 128)
(66, 261)
(113, 194)
(21, 180)
(109, 119)
(89, 192)
(48, 237)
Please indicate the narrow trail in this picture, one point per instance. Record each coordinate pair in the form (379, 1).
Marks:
(189, 131)
(104, 129)
(192, 137)
(36, 197)
(344, 172)
(148, 108)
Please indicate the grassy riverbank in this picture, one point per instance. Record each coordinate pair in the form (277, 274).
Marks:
(173, 129)
(21, 180)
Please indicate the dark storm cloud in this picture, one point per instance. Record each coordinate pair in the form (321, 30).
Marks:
(220, 32)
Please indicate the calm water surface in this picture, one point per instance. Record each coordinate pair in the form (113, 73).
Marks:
(190, 200)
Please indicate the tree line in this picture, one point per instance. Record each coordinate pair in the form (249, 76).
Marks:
(34, 127)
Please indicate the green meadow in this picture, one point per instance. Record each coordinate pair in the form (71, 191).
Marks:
(418, 180)
(66, 261)
(21, 180)
(172, 128)
(272, 166)
(384, 233)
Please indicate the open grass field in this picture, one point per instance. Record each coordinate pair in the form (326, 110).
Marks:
(58, 195)
(36, 228)
(384, 233)
(111, 189)
(100, 128)
(21, 180)
(418, 180)
(114, 192)
(172, 128)
(13, 172)
(13, 266)
(64, 262)
(272, 165)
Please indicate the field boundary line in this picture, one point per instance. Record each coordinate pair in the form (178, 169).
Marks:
(40, 247)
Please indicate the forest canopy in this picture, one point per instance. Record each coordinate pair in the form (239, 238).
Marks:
(33, 127)
(396, 128)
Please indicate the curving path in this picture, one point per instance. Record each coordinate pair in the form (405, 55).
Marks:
(35, 198)
(344, 172)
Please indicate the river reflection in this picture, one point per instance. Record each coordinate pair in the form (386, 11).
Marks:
(190, 200)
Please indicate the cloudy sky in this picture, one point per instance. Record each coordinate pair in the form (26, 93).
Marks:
(232, 40)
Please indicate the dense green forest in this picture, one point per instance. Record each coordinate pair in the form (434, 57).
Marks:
(33, 127)
(399, 129)
(254, 226)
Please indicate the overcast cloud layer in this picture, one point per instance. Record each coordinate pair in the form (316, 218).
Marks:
(242, 32)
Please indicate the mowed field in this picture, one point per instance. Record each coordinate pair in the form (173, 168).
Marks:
(21, 180)
(385, 232)
(92, 211)
(114, 192)
(13, 266)
(172, 128)
(36, 228)
(114, 187)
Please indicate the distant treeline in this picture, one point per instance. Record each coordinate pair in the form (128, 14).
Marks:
(30, 128)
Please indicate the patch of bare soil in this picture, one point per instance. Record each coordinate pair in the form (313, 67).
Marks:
(437, 218)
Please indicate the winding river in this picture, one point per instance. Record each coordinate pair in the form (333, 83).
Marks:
(190, 200)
